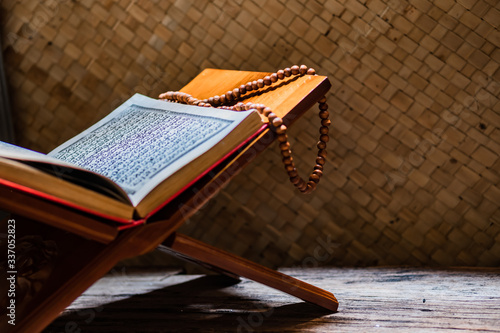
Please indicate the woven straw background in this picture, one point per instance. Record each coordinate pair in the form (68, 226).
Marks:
(413, 170)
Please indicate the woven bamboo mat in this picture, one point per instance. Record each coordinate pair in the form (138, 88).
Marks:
(413, 169)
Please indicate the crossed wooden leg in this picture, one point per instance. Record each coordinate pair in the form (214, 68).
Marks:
(232, 265)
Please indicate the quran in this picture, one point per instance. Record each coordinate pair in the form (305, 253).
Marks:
(130, 163)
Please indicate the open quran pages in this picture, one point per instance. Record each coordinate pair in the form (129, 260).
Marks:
(48, 177)
(139, 155)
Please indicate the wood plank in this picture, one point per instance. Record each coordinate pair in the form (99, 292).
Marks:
(222, 260)
(371, 299)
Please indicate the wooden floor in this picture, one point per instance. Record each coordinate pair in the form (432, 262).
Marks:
(371, 300)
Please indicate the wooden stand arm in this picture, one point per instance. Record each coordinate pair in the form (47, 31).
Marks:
(205, 254)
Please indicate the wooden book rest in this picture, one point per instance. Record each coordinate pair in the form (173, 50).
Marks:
(89, 250)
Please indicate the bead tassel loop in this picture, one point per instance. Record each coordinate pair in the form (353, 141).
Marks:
(275, 122)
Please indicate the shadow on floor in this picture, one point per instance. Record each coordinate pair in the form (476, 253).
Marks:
(198, 305)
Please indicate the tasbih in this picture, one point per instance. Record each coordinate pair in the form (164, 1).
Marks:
(231, 100)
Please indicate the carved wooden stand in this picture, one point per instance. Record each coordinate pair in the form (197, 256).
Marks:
(91, 247)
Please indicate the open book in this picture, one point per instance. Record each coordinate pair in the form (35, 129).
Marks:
(131, 162)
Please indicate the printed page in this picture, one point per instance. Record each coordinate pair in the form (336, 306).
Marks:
(14, 152)
(146, 140)
(63, 170)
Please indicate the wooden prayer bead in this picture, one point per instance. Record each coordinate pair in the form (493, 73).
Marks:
(302, 186)
(324, 138)
(311, 71)
(243, 89)
(286, 153)
(267, 80)
(289, 168)
(326, 122)
(293, 173)
(255, 86)
(260, 83)
(318, 172)
(311, 184)
(249, 86)
(267, 111)
(322, 100)
(323, 106)
(318, 167)
(281, 130)
(229, 96)
(314, 177)
(280, 74)
(324, 114)
(284, 146)
(323, 130)
(288, 72)
(287, 160)
(322, 153)
(274, 77)
(295, 69)
(222, 99)
(320, 160)
(236, 93)
(303, 69)
(294, 180)
(271, 117)
(277, 122)
(282, 137)
(321, 145)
